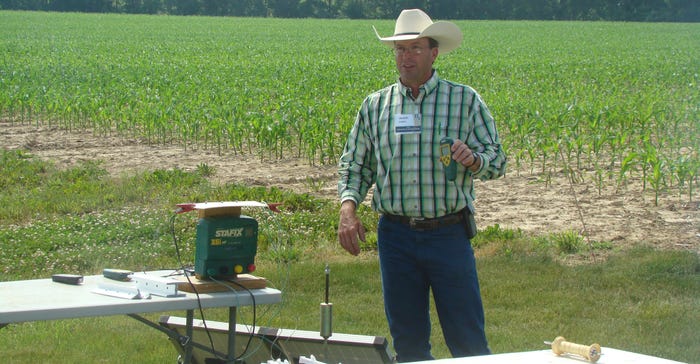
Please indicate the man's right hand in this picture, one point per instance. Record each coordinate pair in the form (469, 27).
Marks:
(350, 228)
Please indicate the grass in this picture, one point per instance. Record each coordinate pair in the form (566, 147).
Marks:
(590, 107)
(639, 300)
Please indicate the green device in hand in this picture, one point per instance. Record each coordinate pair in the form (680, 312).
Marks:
(448, 164)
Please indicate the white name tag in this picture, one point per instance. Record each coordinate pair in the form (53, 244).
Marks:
(407, 124)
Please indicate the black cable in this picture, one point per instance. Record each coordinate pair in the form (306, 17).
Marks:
(194, 289)
(252, 297)
(201, 311)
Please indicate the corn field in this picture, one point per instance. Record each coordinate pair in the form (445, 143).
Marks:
(615, 102)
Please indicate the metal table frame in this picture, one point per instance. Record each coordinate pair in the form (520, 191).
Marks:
(24, 301)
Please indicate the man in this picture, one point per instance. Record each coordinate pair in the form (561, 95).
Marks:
(423, 233)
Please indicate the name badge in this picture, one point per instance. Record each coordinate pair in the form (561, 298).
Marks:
(407, 124)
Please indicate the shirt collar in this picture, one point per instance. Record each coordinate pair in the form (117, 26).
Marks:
(428, 86)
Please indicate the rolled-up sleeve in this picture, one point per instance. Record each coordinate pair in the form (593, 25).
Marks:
(357, 165)
(484, 141)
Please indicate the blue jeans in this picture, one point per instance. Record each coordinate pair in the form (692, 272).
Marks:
(413, 262)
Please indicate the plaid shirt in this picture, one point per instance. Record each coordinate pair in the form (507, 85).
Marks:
(395, 145)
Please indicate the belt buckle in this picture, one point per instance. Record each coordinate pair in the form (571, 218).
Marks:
(414, 221)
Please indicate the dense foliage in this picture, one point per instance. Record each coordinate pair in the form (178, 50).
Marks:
(617, 102)
(624, 10)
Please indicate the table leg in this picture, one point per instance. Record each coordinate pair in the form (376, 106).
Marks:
(189, 332)
(231, 356)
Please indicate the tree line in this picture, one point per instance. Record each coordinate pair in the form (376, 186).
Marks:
(613, 10)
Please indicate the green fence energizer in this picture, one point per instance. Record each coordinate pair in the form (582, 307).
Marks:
(226, 246)
(448, 164)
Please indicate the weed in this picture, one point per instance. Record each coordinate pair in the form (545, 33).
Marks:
(205, 170)
(568, 242)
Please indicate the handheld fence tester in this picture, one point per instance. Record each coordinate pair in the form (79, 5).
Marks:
(448, 164)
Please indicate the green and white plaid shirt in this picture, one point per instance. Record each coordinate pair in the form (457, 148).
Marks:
(395, 145)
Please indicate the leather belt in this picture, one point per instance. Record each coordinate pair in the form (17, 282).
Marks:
(423, 224)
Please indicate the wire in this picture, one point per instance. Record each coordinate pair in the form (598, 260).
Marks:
(199, 303)
(252, 297)
(569, 173)
(194, 289)
(278, 245)
(252, 333)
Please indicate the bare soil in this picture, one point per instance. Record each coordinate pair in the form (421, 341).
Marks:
(520, 200)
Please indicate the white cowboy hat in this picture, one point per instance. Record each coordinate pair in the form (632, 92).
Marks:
(414, 23)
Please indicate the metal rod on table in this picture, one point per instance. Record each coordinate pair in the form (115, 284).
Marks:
(327, 311)
(328, 273)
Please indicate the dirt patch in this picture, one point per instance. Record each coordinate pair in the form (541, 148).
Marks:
(522, 201)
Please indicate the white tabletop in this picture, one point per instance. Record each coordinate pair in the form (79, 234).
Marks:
(43, 299)
(609, 355)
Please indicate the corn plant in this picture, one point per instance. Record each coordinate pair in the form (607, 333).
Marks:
(614, 101)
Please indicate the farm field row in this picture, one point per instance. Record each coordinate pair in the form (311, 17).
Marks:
(619, 99)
